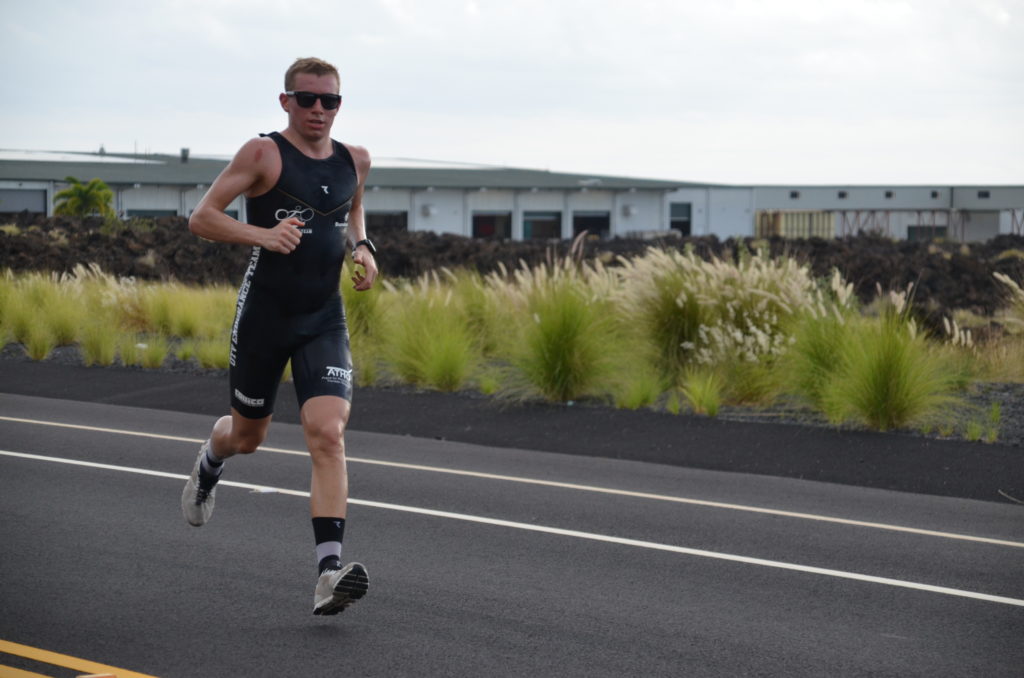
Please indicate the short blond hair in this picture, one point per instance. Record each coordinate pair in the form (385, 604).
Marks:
(310, 65)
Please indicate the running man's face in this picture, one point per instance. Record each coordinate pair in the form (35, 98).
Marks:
(311, 123)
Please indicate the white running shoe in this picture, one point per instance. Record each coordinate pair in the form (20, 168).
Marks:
(337, 589)
(197, 503)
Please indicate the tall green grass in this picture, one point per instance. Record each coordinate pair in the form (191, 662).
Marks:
(427, 343)
(888, 377)
(363, 315)
(566, 345)
(703, 390)
(645, 331)
(692, 313)
(98, 343)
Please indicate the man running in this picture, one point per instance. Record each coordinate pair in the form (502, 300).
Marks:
(303, 199)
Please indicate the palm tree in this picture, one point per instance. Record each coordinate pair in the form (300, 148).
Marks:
(82, 200)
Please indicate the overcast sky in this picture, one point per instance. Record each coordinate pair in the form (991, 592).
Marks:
(741, 91)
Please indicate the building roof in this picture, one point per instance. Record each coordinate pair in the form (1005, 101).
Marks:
(127, 169)
(114, 169)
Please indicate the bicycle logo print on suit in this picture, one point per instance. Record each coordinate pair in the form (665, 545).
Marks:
(299, 213)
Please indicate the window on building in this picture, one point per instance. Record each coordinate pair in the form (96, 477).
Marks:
(794, 195)
(842, 195)
(594, 223)
(935, 194)
(492, 225)
(542, 225)
(984, 194)
(679, 217)
(386, 221)
(926, 232)
(888, 195)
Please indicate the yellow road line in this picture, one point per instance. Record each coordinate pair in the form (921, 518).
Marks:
(65, 661)
(11, 672)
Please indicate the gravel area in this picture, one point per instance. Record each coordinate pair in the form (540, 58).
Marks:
(976, 404)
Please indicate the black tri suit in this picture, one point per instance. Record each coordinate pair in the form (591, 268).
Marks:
(289, 305)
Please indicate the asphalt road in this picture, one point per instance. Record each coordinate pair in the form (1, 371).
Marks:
(484, 562)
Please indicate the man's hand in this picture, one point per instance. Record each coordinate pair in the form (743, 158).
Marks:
(284, 237)
(364, 280)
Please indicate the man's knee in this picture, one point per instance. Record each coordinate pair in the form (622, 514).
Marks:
(327, 437)
(247, 442)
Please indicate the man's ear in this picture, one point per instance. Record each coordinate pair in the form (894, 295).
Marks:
(283, 98)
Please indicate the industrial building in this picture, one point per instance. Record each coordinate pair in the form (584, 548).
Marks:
(522, 204)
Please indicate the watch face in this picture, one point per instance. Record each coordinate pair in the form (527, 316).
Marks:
(369, 245)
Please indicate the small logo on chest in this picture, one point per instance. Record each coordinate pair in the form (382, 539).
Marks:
(326, 192)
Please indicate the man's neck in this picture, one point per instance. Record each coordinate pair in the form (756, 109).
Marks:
(314, 148)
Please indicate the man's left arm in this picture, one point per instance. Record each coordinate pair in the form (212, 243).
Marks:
(361, 254)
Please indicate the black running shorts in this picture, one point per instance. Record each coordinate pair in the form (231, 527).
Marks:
(264, 338)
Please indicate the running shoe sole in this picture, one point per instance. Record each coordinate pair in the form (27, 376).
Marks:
(352, 585)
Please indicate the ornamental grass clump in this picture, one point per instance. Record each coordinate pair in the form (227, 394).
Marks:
(154, 350)
(7, 294)
(363, 316)
(819, 346)
(176, 310)
(703, 389)
(213, 353)
(427, 342)
(19, 318)
(887, 375)
(98, 342)
(39, 341)
(1013, 315)
(696, 313)
(566, 342)
(477, 301)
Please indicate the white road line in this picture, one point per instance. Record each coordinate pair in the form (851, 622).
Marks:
(566, 486)
(635, 543)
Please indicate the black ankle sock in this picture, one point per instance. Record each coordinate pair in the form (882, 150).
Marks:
(328, 533)
(210, 468)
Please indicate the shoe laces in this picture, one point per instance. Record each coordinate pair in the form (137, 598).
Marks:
(201, 495)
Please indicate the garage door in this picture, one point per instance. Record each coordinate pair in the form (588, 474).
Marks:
(20, 199)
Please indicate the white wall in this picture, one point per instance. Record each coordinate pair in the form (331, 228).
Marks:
(438, 210)
(387, 200)
(1011, 221)
(1000, 198)
(857, 198)
(639, 211)
(730, 212)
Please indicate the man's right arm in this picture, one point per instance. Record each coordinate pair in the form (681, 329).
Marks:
(252, 168)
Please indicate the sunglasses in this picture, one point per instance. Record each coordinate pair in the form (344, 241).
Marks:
(308, 99)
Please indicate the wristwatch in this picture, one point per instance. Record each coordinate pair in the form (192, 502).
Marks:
(368, 243)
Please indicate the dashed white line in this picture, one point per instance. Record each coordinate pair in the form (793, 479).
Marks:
(635, 543)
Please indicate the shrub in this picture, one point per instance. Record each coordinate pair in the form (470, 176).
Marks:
(98, 342)
(703, 390)
(566, 343)
(39, 341)
(887, 376)
(706, 313)
(428, 342)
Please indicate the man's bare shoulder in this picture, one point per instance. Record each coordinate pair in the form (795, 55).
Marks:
(361, 157)
(256, 152)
